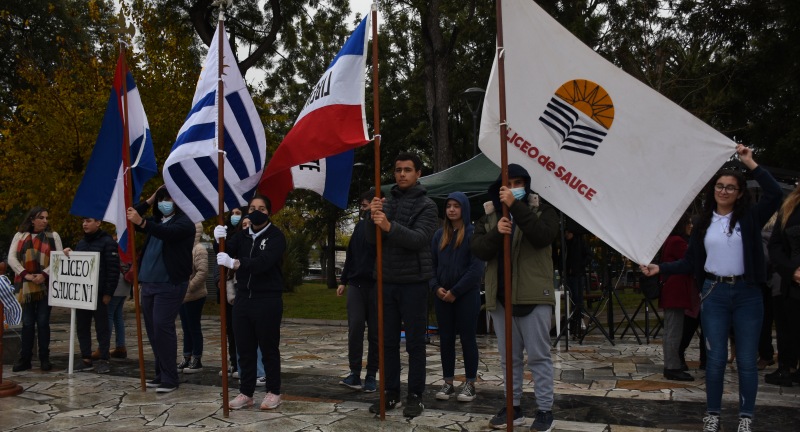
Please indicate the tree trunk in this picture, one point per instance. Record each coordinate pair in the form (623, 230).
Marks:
(330, 255)
(437, 53)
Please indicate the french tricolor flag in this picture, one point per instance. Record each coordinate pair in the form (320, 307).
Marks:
(317, 153)
(101, 194)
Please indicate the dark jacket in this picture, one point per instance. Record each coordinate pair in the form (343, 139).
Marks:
(178, 237)
(259, 274)
(102, 242)
(407, 245)
(360, 259)
(755, 267)
(455, 268)
(678, 289)
(535, 229)
(784, 253)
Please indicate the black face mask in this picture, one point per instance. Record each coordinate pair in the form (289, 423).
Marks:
(258, 218)
(362, 214)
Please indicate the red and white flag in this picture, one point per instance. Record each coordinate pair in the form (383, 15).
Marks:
(332, 122)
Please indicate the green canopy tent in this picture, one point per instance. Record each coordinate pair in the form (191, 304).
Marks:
(472, 177)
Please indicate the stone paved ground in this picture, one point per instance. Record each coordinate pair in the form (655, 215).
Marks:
(599, 387)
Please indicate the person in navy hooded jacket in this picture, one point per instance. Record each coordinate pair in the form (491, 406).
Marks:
(455, 284)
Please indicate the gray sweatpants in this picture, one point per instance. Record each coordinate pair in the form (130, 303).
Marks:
(531, 333)
(673, 333)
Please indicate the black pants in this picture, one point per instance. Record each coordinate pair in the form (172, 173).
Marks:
(406, 304)
(257, 324)
(787, 323)
(83, 323)
(362, 308)
(765, 349)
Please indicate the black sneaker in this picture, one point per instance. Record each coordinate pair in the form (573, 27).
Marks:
(21, 365)
(445, 392)
(194, 366)
(84, 366)
(499, 420)
(153, 383)
(543, 422)
(352, 381)
(182, 365)
(45, 365)
(392, 400)
(711, 423)
(781, 377)
(102, 367)
(166, 388)
(414, 406)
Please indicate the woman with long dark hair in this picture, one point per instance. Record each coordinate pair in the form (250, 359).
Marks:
(29, 257)
(725, 256)
(784, 252)
(457, 275)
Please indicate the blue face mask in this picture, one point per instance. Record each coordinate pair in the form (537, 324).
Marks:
(519, 193)
(166, 207)
(235, 219)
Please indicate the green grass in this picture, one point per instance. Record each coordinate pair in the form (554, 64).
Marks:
(315, 301)
(310, 300)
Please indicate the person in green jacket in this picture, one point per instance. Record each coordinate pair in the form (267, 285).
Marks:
(533, 226)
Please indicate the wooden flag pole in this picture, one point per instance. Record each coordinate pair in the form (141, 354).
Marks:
(126, 162)
(376, 120)
(221, 202)
(501, 70)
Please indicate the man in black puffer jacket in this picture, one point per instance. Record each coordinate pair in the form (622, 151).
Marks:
(407, 221)
(97, 240)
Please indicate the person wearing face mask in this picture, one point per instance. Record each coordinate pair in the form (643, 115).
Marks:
(533, 226)
(362, 306)
(256, 255)
(164, 273)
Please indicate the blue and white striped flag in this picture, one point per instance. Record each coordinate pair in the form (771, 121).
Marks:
(190, 172)
(11, 308)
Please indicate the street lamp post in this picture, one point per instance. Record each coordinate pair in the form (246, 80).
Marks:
(474, 97)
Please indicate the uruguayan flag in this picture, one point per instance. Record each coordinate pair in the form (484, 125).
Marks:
(572, 128)
(11, 308)
(190, 172)
(101, 194)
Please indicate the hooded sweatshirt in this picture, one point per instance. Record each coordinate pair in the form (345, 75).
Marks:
(455, 268)
(535, 229)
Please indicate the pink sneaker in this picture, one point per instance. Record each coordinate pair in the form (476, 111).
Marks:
(271, 401)
(241, 401)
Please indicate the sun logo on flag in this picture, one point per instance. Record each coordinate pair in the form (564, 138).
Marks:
(579, 116)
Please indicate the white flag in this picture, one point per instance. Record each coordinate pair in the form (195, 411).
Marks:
(613, 154)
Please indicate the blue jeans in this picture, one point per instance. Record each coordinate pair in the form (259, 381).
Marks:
(116, 319)
(160, 305)
(35, 316)
(459, 318)
(190, 313)
(724, 305)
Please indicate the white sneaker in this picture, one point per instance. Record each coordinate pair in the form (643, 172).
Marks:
(271, 401)
(261, 382)
(241, 401)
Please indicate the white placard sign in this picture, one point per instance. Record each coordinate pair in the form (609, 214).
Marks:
(73, 280)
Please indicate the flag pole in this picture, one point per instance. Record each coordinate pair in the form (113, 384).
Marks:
(501, 70)
(376, 120)
(221, 204)
(128, 185)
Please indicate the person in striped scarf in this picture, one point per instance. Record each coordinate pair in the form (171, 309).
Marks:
(29, 257)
